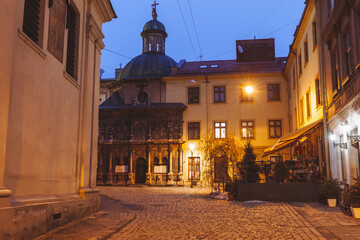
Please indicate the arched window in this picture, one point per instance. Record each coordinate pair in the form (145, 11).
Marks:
(158, 47)
(156, 161)
(150, 47)
(165, 161)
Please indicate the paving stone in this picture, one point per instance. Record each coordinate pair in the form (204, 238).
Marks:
(189, 213)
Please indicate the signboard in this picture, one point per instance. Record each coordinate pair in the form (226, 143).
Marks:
(122, 168)
(160, 169)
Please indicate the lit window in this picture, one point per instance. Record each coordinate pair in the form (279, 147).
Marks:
(194, 168)
(220, 129)
(246, 97)
(247, 129)
(214, 66)
(203, 66)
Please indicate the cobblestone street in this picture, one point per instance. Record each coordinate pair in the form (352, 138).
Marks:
(185, 213)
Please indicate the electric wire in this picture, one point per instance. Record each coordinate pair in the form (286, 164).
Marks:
(105, 49)
(197, 36)
(262, 20)
(281, 27)
(187, 30)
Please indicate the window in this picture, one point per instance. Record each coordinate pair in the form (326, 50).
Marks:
(247, 129)
(347, 55)
(275, 128)
(32, 20)
(194, 130)
(193, 95)
(274, 92)
(194, 168)
(56, 39)
(300, 65)
(314, 34)
(334, 72)
(301, 111)
(306, 51)
(295, 118)
(220, 129)
(308, 104)
(158, 47)
(317, 92)
(245, 97)
(294, 78)
(219, 94)
(72, 41)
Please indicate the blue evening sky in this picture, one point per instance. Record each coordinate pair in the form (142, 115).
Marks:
(219, 24)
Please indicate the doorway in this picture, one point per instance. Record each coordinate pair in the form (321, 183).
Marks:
(141, 170)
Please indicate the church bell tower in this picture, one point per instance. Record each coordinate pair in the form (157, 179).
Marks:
(154, 34)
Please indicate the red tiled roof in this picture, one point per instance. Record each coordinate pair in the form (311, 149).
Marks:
(231, 66)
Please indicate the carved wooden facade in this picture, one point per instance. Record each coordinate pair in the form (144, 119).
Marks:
(141, 144)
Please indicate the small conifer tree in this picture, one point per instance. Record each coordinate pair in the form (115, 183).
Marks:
(248, 163)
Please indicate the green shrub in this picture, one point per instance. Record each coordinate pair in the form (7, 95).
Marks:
(330, 189)
(281, 172)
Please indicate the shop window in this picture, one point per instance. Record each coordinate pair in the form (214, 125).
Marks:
(317, 92)
(194, 168)
(194, 130)
(308, 105)
(220, 129)
(193, 95)
(274, 92)
(247, 129)
(275, 128)
(72, 41)
(32, 20)
(219, 94)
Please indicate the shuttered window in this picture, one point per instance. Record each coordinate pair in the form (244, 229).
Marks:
(31, 21)
(71, 59)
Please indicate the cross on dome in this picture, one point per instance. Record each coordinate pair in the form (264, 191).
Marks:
(154, 14)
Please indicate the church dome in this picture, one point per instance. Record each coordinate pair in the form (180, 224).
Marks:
(148, 65)
(154, 25)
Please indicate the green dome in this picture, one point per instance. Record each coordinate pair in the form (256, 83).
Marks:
(148, 65)
(154, 25)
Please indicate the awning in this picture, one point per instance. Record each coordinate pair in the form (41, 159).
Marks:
(290, 139)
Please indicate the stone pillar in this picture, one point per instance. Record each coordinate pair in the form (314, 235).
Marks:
(109, 174)
(131, 170)
(181, 166)
(170, 174)
(148, 174)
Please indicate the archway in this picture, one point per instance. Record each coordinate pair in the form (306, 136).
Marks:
(140, 170)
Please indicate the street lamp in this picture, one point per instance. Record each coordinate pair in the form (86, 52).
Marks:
(249, 89)
(192, 147)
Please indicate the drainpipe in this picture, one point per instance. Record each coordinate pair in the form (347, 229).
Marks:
(323, 85)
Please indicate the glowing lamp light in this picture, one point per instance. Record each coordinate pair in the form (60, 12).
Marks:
(192, 81)
(249, 89)
(192, 147)
(332, 137)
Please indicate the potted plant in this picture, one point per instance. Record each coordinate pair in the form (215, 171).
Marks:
(281, 172)
(354, 198)
(330, 190)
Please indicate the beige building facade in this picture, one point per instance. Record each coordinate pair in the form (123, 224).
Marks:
(50, 65)
(215, 93)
